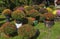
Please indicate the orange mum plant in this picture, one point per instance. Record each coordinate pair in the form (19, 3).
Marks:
(7, 12)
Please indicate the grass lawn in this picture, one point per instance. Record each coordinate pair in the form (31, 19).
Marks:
(45, 33)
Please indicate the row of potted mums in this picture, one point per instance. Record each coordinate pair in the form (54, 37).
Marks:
(25, 19)
(32, 16)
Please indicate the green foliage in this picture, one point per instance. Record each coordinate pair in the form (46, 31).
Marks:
(8, 28)
(2, 8)
(18, 15)
(26, 2)
(13, 3)
(27, 31)
(1, 3)
(10, 3)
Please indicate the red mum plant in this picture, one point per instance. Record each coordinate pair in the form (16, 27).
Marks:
(33, 13)
(49, 16)
(27, 31)
(8, 29)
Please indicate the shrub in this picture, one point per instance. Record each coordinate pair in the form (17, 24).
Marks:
(27, 8)
(49, 16)
(9, 29)
(7, 12)
(27, 31)
(33, 13)
(18, 14)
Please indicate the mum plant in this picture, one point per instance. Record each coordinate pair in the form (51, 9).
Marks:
(18, 14)
(7, 12)
(27, 31)
(9, 29)
(28, 8)
(33, 13)
(49, 16)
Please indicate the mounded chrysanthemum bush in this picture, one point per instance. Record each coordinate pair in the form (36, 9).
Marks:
(49, 16)
(9, 29)
(31, 16)
(33, 13)
(6, 12)
(27, 31)
(18, 14)
(27, 8)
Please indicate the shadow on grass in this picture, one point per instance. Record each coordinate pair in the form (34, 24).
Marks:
(36, 35)
(14, 34)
